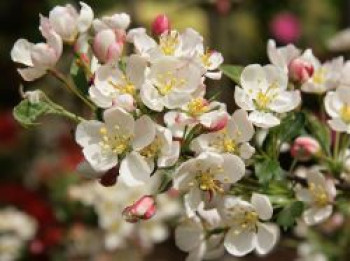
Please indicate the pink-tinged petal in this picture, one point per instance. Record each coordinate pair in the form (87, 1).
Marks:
(267, 237)
(262, 205)
(134, 170)
(31, 74)
(239, 243)
(21, 52)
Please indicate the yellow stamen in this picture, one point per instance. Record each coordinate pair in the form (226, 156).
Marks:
(113, 142)
(197, 107)
(319, 195)
(345, 113)
(168, 43)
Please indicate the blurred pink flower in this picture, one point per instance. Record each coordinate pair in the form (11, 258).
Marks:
(285, 27)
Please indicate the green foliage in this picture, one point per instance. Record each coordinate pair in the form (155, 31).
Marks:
(319, 131)
(288, 215)
(27, 113)
(233, 72)
(78, 76)
(267, 169)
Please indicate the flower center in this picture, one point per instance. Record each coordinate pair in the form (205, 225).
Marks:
(152, 149)
(243, 219)
(225, 144)
(125, 88)
(319, 76)
(207, 182)
(206, 58)
(169, 42)
(167, 82)
(197, 107)
(345, 113)
(113, 142)
(318, 195)
(263, 99)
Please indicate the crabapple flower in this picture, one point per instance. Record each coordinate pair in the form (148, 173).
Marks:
(304, 148)
(318, 196)
(133, 144)
(142, 209)
(170, 83)
(39, 58)
(68, 23)
(114, 87)
(233, 139)
(264, 93)
(247, 229)
(160, 25)
(206, 176)
(325, 76)
(211, 115)
(337, 104)
(171, 44)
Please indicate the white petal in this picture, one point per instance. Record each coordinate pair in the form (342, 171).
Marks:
(135, 69)
(332, 104)
(286, 101)
(239, 244)
(267, 238)
(243, 100)
(119, 120)
(193, 198)
(176, 100)
(30, 74)
(253, 77)
(197, 253)
(316, 177)
(185, 175)
(88, 133)
(188, 235)
(239, 127)
(246, 151)
(263, 119)
(338, 124)
(313, 216)
(170, 158)
(151, 98)
(233, 169)
(262, 205)
(303, 194)
(99, 159)
(21, 52)
(134, 170)
(85, 18)
(145, 132)
(101, 100)
(85, 170)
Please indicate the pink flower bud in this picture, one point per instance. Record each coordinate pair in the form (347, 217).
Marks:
(223, 6)
(160, 25)
(219, 124)
(304, 148)
(142, 209)
(107, 46)
(285, 27)
(300, 70)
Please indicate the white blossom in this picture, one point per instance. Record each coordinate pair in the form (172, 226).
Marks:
(248, 227)
(318, 196)
(264, 94)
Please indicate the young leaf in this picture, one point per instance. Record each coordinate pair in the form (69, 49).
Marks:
(233, 72)
(287, 217)
(79, 78)
(268, 169)
(27, 113)
(320, 131)
(291, 126)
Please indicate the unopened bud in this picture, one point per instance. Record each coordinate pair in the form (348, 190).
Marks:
(304, 148)
(142, 209)
(160, 25)
(300, 70)
(108, 46)
(219, 124)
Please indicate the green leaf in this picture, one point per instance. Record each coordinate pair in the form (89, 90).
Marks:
(287, 217)
(233, 72)
(291, 126)
(27, 113)
(267, 170)
(79, 78)
(319, 131)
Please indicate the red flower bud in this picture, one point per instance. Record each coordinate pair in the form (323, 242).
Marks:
(142, 209)
(160, 25)
(300, 70)
(304, 148)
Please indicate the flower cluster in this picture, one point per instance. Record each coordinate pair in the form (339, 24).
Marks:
(152, 119)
